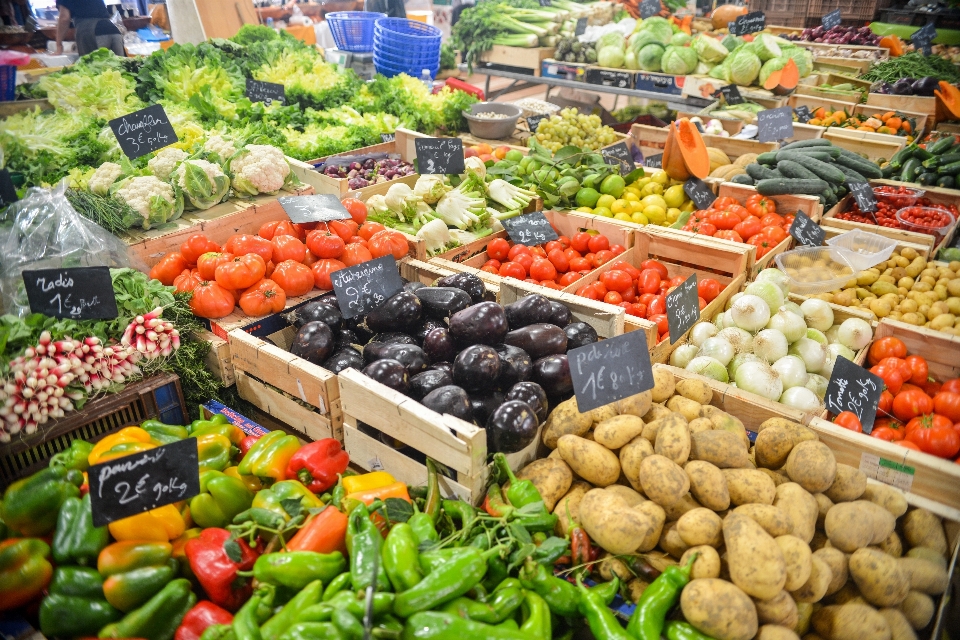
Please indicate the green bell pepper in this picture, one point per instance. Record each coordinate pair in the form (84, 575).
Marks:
(297, 569)
(285, 618)
(159, 618)
(76, 457)
(75, 605)
(273, 499)
(220, 499)
(31, 505)
(76, 540)
(162, 434)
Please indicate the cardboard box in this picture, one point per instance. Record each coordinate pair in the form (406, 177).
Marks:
(551, 68)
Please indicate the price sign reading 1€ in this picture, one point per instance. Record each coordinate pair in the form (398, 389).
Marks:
(610, 370)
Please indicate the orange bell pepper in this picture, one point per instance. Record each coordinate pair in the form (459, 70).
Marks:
(394, 490)
(324, 532)
(161, 524)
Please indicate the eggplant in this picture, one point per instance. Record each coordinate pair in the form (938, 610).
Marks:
(534, 395)
(426, 381)
(539, 340)
(426, 326)
(393, 337)
(484, 405)
(579, 334)
(347, 337)
(483, 323)
(925, 86)
(438, 345)
(313, 342)
(511, 428)
(446, 367)
(881, 87)
(344, 358)
(389, 372)
(449, 399)
(466, 282)
(316, 311)
(476, 368)
(553, 374)
(515, 365)
(400, 312)
(533, 309)
(443, 302)
(903, 87)
(413, 286)
(559, 314)
(409, 355)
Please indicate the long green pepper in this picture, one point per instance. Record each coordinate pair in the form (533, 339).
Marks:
(400, 557)
(650, 616)
(275, 627)
(684, 631)
(603, 624)
(446, 582)
(365, 544)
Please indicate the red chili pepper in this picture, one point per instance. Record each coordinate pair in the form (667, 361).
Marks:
(215, 570)
(580, 549)
(203, 615)
(318, 464)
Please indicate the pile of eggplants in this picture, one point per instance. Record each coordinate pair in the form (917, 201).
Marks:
(452, 349)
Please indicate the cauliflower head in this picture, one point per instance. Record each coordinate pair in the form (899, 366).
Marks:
(166, 160)
(260, 168)
(220, 146)
(203, 183)
(152, 198)
(104, 177)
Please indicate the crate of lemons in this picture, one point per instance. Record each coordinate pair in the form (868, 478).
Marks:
(652, 199)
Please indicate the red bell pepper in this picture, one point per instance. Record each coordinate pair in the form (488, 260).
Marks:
(318, 464)
(215, 570)
(246, 443)
(203, 615)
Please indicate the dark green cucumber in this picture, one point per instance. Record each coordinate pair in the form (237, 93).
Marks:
(945, 159)
(951, 169)
(852, 176)
(888, 171)
(791, 169)
(941, 146)
(931, 163)
(929, 178)
(768, 158)
(947, 182)
(896, 162)
(761, 172)
(742, 179)
(824, 170)
(911, 170)
(802, 144)
(813, 153)
(833, 152)
(828, 198)
(858, 164)
(786, 186)
(922, 154)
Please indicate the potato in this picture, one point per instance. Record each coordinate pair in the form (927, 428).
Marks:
(591, 461)
(812, 466)
(696, 390)
(924, 576)
(708, 485)
(602, 413)
(921, 528)
(673, 441)
(635, 405)
(927, 554)
(721, 448)
(892, 545)
(617, 431)
(707, 564)
(800, 432)
(635, 589)
(853, 525)
(900, 628)
(756, 562)
(671, 542)
(800, 507)
(676, 510)
(774, 520)
(652, 428)
(879, 578)
(686, 407)
(775, 632)
(656, 412)
(611, 566)
(849, 484)
(850, 622)
(815, 587)
(837, 561)
(664, 384)
(723, 421)
(797, 556)
(804, 612)
(777, 477)
(918, 608)
(631, 497)
(631, 455)
(700, 424)
(823, 505)
(563, 420)
(780, 609)
(552, 478)
(700, 527)
(887, 497)
(567, 509)
(719, 609)
(617, 527)
(663, 481)
(749, 486)
(773, 445)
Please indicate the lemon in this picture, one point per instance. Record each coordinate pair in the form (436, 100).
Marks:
(654, 200)
(612, 185)
(622, 216)
(603, 212)
(635, 206)
(660, 177)
(654, 188)
(604, 202)
(633, 189)
(674, 196)
(655, 214)
(639, 218)
(641, 183)
(619, 206)
(673, 214)
(687, 206)
(587, 197)
(585, 209)
(630, 196)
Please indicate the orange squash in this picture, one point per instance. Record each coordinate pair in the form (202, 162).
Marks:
(672, 161)
(684, 153)
(893, 43)
(726, 13)
(789, 78)
(950, 97)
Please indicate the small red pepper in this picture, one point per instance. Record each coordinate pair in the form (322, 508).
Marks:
(203, 615)
(246, 443)
(580, 549)
(318, 464)
(215, 570)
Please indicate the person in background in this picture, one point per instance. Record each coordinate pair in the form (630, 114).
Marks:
(92, 22)
(393, 8)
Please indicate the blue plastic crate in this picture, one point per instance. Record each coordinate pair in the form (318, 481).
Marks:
(8, 83)
(353, 30)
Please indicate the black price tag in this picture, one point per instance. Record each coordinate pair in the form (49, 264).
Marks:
(316, 208)
(388, 137)
(831, 20)
(364, 287)
(803, 113)
(863, 194)
(544, 3)
(700, 192)
(78, 293)
(619, 154)
(649, 8)
(534, 121)
(775, 124)
(144, 131)
(923, 37)
(853, 388)
(619, 79)
(439, 155)
(683, 308)
(530, 229)
(265, 92)
(610, 370)
(581, 27)
(143, 481)
(807, 232)
(8, 192)
(749, 23)
(731, 94)
(654, 161)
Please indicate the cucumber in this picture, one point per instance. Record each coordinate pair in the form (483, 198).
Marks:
(812, 153)
(801, 144)
(941, 146)
(761, 172)
(888, 171)
(852, 176)
(911, 169)
(903, 155)
(791, 169)
(828, 198)
(858, 164)
(951, 169)
(742, 179)
(768, 157)
(824, 170)
(784, 186)
(928, 178)
(833, 152)
(947, 182)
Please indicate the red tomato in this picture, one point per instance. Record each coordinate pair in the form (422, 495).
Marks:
(356, 209)
(728, 235)
(919, 372)
(580, 264)
(321, 272)
(489, 269)
(241, 272)
(294, 278)
(525, 260)
(935, 435)
(615, 280)
(617, 249)
(708, 288)
(580, 241)
(740, 212)
(598, 243)
(647, 298)
(388, 242)
(197, 245)
(588, 291)
(638, 309)
(655, 264)
(563, 240)
(630, 295)
(748, 227)
(542, 269)
(911, 403)
(906, 444)
(889, 347)
(705, 228)
(268, 229)
(187, 281)
(952, 386)
(513, 270)
(763, 244)
(623, 265)
(849, 420)
(648, 281)
(169, 267)
(724, 203)
(243, 244)
(886, 403)
(324, 244)
(602, 257)
(538, 252)
(518, 249)
(891, 377)
(492, 263)
(208, 262)
(760, 206)
(553, 244)
(210, 300)
(887, 433)
(775, 234)
(354, 254)
(569, 278)
(676, 281)
(613, 297)
(346, 229)
(947, 403)
(658, 305)
(498, 249)
(288, 248)
(572, 253)
(724, 220)
(264, 297)
(771, 220)
(560, 262)
(663, 326)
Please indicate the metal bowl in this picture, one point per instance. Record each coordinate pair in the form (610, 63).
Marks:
(492, 129)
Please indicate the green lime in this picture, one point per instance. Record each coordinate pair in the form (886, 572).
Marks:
(612, 185)
(587, 197)
(513, 156)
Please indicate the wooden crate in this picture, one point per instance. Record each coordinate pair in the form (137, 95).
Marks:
(873, 145)
(650, 139)
(521, 57)
(923, 121)
(813, 92)
(803, 131)
(899, 235)
(813, 103)
(218, 358)
(828, 64)
(735, 147)
(914, 104)
(732, 127)
(428, 272)
(878, 53)
(340, 187)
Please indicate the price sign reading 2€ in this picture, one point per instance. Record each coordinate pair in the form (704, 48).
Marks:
(364, 287)
(439, 155)
(610, 370)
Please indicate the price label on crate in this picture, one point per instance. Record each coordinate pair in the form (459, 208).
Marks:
(731, 94)
(700, 192)
(863, 193)
(805, 231)
(775, 124)
(649, 8)
(610, 370)
(654, 162)
(314, 208)
(619, 154)
(8, 192)
(439, 155)
(749, 23)
(78, 293)
(388, 137)
(923, 37)
(853, 388)
(831, 20)
(143, 481)
(683, 308)
(265, 92)
(607, 78)
(803, 113)
(364, 287)
(534, 121)
(530, 229)
(581, 27)
(144, 131)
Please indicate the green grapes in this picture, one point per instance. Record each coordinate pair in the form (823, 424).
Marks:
(571, 127)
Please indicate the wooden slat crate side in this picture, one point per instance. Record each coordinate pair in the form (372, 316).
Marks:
(941, 350)
(706, 253)
(419, 271)
(736, 147)
(240, 320)
(607, 319)
(923, 120)
(218, 358)
(311, 424)
(858, 143)
(813, 103)
(832, 232)
(465, 252)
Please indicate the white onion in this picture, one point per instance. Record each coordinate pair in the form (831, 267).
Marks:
(792, 371)
(759, 378)
(701, 331)
(793, 307)
(811, 352)
(738, 360)
(770, 345)
(818, 384)
(723, 320)
(683, 354)
(709, 367)
(718, 349)
(750, 313)
(775, 276)
(831, 334)
(789, 324)
(734, 298)
(800, 398)
(855, 333)
(740, 339)
(817, 314)
(768, 291)
(836, 349)
(817, 336)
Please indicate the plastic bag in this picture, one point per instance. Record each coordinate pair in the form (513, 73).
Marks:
(48, 233)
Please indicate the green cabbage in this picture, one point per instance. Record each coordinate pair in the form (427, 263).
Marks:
(801, 57)
(614, 39)
(708, 49)
(680, 39)
(765, 47)
(731, 43)
(611, 56)
(678, 61)
(722, 71)
(660, 27)
(703, 68)
(744, 67)
(630, 60)
(649, 57)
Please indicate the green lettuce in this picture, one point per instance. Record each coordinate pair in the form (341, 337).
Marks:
(678, 60)
(744, 67)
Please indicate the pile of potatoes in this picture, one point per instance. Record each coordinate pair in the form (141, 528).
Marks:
(908, 289)
(789, 543)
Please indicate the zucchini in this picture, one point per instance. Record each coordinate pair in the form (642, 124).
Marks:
(928, 178)
(852, 176)
(951, 169)
(921, 153)
(931, 163)
(911, 169)
(802, 144)
(761, 172)
(888, 171)
(858, 164)
(824, 170)
(742, 179)
(784, 186)
(791, 169)
(903, 155)
(941, 146)
(947, 182)
(768, 157)
(833, 152)
(947, 158)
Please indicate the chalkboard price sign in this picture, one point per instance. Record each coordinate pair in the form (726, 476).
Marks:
(731, 94)
(610, 370)
(388, 137)
(315, 208)
(78, 293)
(700, 192)
(143, 481)
(364, 287)
(803, 113)
(923, 37)
(8, 192)
(805, 231)
(265, 92)
(544, 3)
(144, 131)
(853, 388)
(581, 26)
(775, 124)
(863, 194)
(749, 23)
(439, 155)
(530, 229)
(649, 8)
(832, 19)
(534, 121)
(619, 79)
(683, 308)
(619, 154)
(655, 161)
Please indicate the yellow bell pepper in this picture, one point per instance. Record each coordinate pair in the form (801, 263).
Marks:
(161, 524)
(125, 435)
(126, 449)
(251, 482)
(353, 484)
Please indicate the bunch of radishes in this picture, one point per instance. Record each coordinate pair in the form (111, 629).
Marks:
(151, 336)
